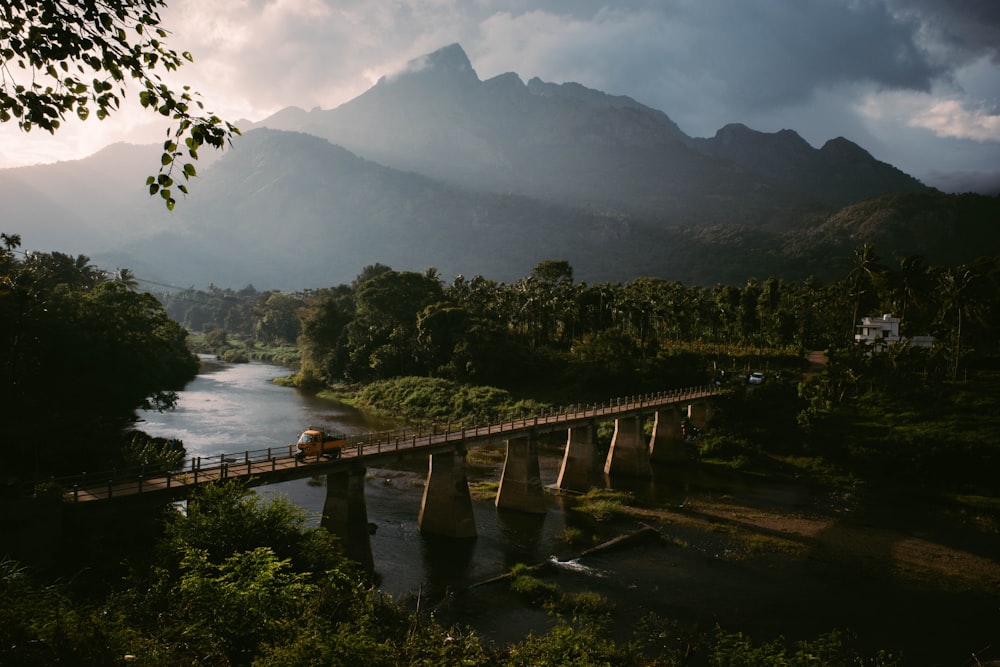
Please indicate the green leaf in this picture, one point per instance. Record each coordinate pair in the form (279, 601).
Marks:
(189, 170)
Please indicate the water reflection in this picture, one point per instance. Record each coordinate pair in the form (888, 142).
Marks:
(523, 535)
(237, 407)
(446, 563)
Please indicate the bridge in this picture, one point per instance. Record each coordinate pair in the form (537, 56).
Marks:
(446, 508)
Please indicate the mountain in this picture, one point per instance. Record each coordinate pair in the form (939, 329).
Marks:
(839, 173)
(434, 168)
(571, 145)
(285, 210)
(89, 203)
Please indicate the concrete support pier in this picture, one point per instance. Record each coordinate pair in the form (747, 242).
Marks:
(699, 414)
(521, 483)
(579, 465)
(346, 516)
(629, 453)
(446, 509)
(666, 444)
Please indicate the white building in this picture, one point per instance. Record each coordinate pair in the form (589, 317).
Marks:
(884, 331)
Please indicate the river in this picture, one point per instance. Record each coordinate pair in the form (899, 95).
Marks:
(231, 408)
(234, 407)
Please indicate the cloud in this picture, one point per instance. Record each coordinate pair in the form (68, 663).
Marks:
(900, 77)
(957, 30)
(950, 118)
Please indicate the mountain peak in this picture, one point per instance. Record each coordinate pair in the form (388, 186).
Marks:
(449, 62)
(845, 149)
(739, 134)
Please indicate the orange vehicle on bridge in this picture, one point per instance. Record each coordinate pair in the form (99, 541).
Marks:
(315, 442)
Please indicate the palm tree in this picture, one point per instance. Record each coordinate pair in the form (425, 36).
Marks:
(866, 272)
(959, 301)
(910, 286)
(127, 278)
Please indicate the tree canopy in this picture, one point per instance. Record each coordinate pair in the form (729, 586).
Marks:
(81, 352)
(61, 58)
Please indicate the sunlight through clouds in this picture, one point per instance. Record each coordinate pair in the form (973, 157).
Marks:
(949, 118)
(910, 80)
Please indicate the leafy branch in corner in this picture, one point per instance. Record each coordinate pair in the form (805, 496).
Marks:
(60, 58)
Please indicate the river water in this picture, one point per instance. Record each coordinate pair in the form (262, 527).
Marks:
(231, 408)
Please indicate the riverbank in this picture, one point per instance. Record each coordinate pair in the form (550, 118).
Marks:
(773, 559)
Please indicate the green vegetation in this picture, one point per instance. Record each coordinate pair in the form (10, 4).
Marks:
(602, 504)
(238, 350)
(409, 346)
(60, 58)
(435, 400)
(240, 581)
(82, 351)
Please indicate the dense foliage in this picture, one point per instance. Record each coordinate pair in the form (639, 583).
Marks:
(546, 329)
(471, 350)
(82, 352)
(240, 581)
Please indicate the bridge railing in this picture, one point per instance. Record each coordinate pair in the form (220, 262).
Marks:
(197, 469)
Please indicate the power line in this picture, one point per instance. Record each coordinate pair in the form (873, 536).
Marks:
(113, 274)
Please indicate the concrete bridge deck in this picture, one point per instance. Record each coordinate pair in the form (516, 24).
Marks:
(268, 466)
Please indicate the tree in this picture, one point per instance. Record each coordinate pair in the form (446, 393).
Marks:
(79, 354)
(277, 318)
(383, 336)
(959, 290)
(127, 278)
(59, 58)
(865, 275)
(910, 288)
(324, 335)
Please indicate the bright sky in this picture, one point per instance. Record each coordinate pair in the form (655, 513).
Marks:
(915, 82)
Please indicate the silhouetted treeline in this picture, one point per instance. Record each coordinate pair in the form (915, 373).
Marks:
(390, 323)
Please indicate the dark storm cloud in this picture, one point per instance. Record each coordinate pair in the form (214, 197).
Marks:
(965, 28)
(915, 81)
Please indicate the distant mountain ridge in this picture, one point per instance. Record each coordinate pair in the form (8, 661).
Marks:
(571, 145)
(432, 167)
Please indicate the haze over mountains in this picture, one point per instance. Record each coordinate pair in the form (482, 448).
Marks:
(435, 168)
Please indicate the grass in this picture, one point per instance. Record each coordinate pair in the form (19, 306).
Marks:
(603, 504)
(486, 455)
(757, 543)
(435, 400)
(571, 535)
(483, 491)
(525, 583)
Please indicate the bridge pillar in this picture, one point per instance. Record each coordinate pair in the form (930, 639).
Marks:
(579, 460)
(346, 515)
(446, 509)
(520, 482)
(629, 453)
(699, 414)
(666, 444)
